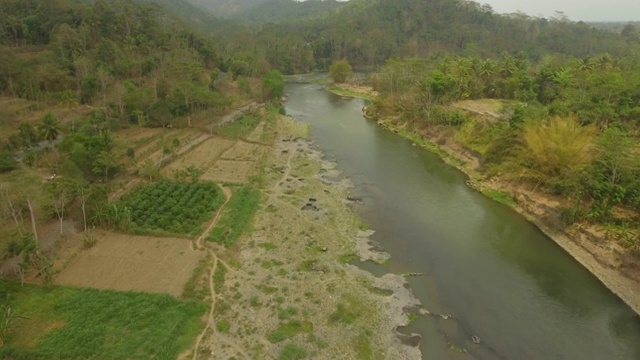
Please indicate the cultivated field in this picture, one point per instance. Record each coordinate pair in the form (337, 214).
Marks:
(138, 263)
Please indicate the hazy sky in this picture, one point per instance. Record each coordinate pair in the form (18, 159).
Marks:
(576, 10)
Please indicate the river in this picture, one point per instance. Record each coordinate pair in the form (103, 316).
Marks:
(500, 277)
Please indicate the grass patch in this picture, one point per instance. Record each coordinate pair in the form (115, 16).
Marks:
(346, 312)
(191, 290)
(218, 278)
(346, 258)
(292, 352)
(241, 127)
(223, 326)
(362, 345)
(237, 218)
(381, 292)
(500, 197)
(290, 329)
(167, 207)
(412, 317)
(254, 301)
(286, 313)
(267, 289)
(71, 323)
(338, 90)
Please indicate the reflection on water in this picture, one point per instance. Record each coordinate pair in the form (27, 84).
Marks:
(498, 274)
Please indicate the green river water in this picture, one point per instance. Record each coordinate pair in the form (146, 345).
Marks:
(502, 278)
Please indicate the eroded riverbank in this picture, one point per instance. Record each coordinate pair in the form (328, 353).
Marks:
(587, 244)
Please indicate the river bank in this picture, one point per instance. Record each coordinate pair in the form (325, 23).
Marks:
(288, 288)
(587, 243)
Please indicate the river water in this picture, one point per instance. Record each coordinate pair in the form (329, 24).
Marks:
(500, 277)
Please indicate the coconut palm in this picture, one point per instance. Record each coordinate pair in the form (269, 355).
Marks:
(604, 62)
(49, 128)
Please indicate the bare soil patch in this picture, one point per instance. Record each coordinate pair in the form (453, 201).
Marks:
(136, 137)
(231, 171)
(242, 151)
(489, 107)
(138, 263)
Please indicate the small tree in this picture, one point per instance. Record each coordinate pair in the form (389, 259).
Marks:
(49, 128)
(273, 85)
(194, 173)
(149, 170)
(7, 162)
(60, 194)
(340, 71)
(104, 164)
(82, 190)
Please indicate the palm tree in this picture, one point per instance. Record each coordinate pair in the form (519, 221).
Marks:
(507, 66)
(585, 64)
(605, 62)
(49, 128)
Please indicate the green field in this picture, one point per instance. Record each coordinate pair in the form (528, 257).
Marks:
(73, 323)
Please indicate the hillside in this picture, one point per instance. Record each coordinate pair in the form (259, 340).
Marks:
(225, 8)
(369, 32)
(285, 10)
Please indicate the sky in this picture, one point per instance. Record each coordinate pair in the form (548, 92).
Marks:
(576, 10)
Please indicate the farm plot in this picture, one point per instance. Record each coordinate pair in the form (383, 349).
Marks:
(241, 127)
(243, 151)
(168, 207)
(231, 171)
(202, 156)
(70, 323)
(129, 262)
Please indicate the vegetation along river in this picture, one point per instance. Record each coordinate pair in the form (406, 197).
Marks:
(500, 277)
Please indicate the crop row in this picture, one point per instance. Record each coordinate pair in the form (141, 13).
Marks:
(172, 207)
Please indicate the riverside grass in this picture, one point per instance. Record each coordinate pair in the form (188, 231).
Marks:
(75, 323)
(237, 217)
(242, 127)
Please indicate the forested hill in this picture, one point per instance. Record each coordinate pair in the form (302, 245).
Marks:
(189, 13)
(226, 8)
(367, 32)
(134, 61)
(285, 10)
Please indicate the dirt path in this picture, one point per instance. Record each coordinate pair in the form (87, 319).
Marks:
(198, 245)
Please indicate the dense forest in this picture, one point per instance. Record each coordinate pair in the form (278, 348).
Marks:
(367, 33)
